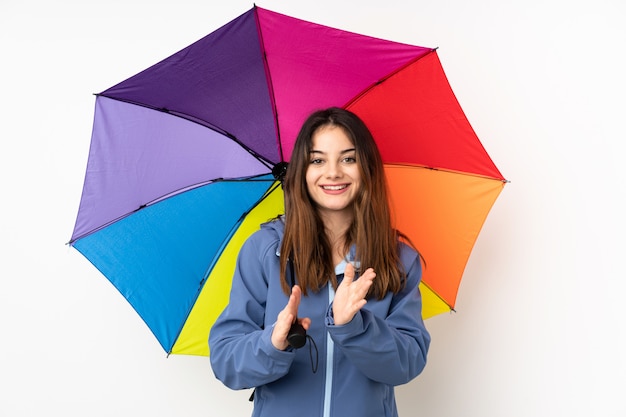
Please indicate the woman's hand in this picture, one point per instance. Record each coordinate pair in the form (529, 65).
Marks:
(350, 296)
(286, 318)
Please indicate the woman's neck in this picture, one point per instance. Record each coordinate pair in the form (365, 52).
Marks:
(336, 225)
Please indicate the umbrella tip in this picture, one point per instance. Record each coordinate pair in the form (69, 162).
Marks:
(279, 171)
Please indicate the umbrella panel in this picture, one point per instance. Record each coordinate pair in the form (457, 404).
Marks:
(219, 82)
(417, 120)
(215, 293)
(442, 213)
(159, 256)
(139, 155)
(312, 66)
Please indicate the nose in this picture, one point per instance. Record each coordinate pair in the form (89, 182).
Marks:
(333, 170)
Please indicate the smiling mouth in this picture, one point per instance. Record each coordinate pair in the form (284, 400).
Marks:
(334, 187)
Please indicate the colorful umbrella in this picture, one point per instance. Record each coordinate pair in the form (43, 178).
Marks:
(180, 166)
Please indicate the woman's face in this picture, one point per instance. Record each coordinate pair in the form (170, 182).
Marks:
(333, 178)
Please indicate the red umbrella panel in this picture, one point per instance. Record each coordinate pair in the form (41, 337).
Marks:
(180, 167)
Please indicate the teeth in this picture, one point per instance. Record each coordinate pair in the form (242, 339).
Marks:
(334, 187)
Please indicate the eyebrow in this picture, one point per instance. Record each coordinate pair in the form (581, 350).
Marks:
(342, 152)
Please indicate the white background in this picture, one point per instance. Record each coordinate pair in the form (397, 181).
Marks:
(539, 327)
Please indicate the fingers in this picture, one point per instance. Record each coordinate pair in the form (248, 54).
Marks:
(294, 300)
(305, 322)
(361, 286)
(351, 295)
(348, 273)
(286, 318)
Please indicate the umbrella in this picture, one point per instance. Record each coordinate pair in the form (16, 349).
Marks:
(186, 157)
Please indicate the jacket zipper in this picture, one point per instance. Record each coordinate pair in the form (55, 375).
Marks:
(328, 386)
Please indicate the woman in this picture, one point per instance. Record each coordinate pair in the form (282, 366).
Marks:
(304, 268)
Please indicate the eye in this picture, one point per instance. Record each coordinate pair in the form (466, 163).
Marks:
(349, 159)
(316, 161)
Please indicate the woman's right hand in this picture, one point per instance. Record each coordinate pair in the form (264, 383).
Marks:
(286, 318)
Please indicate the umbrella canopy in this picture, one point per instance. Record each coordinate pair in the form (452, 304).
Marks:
(179, 172)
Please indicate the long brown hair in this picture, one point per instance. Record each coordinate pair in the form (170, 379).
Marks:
(305, 241)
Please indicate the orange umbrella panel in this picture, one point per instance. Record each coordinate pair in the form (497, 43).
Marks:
(442, 213)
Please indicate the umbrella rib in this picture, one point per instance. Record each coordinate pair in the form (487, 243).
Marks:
(252, 178)
(410, 243)
(451, 171)
(198, 121)
(386, 77)
(234, 228)
(270, 84)
(438, 296)
(169, 195)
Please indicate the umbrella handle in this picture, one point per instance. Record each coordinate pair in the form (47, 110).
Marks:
(297, 335)
(297, 338)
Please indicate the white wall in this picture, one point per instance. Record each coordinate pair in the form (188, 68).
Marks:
(539, 329)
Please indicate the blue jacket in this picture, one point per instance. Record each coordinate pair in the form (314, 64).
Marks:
(359, 363)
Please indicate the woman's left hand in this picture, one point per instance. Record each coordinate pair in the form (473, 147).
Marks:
(350, 295)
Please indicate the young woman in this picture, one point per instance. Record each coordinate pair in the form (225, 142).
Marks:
(334, 265)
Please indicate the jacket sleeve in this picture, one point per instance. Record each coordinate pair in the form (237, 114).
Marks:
(241, 351)
(391, 350)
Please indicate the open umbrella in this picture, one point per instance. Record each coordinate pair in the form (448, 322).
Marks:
(186, 156)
